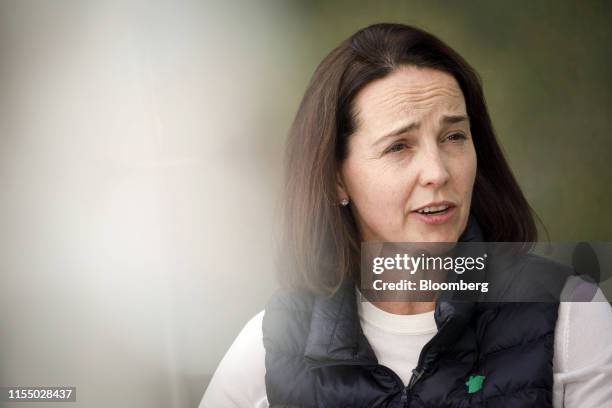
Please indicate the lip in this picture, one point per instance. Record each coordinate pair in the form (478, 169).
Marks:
(436, 203)
(438, 218)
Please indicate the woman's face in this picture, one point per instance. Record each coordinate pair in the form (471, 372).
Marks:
(411, 162)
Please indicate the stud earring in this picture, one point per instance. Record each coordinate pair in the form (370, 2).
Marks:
(344, 202)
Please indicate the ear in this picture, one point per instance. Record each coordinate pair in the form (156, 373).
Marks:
(341, 187)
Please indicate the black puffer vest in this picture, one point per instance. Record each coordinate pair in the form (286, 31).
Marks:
(318, 356)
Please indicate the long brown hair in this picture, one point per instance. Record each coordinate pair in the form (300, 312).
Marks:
(320, 243)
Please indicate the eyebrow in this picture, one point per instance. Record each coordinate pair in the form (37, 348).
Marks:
(452, 119)
(445, 120)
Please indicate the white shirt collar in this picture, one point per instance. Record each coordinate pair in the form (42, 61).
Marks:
(422, 323)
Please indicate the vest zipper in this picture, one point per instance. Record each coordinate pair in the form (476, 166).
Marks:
(421, 368)
(417, 374)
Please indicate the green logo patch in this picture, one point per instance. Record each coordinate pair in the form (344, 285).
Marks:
(474, 384)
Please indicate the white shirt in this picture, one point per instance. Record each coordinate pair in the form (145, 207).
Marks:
(582, 363)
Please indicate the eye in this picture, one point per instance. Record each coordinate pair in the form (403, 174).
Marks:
(396, 148)
(457, 136)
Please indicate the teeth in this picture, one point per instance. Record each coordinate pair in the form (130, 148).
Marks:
(433, 209)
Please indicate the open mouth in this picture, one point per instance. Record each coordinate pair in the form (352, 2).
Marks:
(440, 209)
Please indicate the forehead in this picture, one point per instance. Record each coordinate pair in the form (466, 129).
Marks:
(409, 93)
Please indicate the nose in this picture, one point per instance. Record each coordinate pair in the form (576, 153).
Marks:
(433, 168)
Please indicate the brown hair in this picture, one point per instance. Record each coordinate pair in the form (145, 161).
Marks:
(320, 244)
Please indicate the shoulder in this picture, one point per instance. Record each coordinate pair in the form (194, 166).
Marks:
(249, 337)
(546, 268)
(246, 349)
(249, 341)
(583, 354)
(515, 259)
(239, 378)
(290, 300)
(253, 326)
(286, 320)
(583, 334)
(525, 277)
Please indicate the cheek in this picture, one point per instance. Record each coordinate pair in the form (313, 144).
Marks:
(465, 168)
(376, 191)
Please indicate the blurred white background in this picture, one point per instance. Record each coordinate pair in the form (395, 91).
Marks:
(140, 163)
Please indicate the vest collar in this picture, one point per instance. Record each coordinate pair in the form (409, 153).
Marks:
(336, 337)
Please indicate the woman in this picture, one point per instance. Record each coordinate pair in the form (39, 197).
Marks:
(393, 142)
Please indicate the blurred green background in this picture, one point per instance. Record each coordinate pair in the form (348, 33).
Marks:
(547, 73)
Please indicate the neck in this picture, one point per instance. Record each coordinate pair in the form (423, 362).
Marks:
(405, 308)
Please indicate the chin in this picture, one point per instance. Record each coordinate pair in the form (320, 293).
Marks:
(435, 236)
(444, 238)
